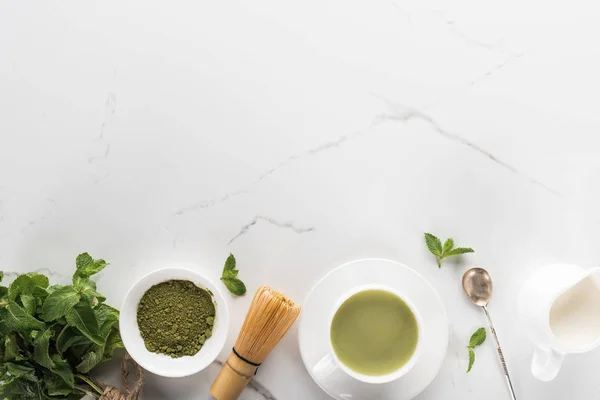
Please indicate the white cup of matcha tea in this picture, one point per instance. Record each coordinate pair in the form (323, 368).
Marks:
(374, 334)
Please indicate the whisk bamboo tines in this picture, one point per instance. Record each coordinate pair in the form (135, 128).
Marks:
(270, 316)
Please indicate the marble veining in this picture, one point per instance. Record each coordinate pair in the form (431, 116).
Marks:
(509, 58)
(284, 225)
(50, 207)
(46, 271)
(295, 157)
(397, 112)
(402, 113)
(109, 111)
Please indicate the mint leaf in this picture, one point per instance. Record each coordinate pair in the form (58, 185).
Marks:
(40, 295)
(70, 337)
(82, 318)
(1, 275)
(18, 382)
(229, 277)
(75, 341)
(40, 350)
(20, 371)
(434, 244)
(59, 303)
(54, 363)
(87, 289)
(40, 280)
(107, 318)
(55, 385)
(459, 251)
(83, 260)
(229, 270)
(29, 303)
(471, 360)
(447, 250)
(235, 286)
(20, 388)
(3, 295)
(80, 282)
(91, 359)
(26, 283)
(16, 319)
(477, 338)
(23, 284)
(63, 369)
(448, 245)
(113, 342)
(12, 352)
(106, 313)
(87, 266)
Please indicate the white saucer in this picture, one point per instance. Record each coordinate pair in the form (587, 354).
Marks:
(314, 326)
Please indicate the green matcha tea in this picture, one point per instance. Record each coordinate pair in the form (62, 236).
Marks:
(374, 333)
(176, 318)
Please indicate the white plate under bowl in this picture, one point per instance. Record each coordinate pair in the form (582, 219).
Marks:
(314, 326)
(162, 364)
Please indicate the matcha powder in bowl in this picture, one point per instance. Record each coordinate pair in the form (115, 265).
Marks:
(174, 321)
(176, 318)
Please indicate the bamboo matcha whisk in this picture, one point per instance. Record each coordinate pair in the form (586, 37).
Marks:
(270, 316)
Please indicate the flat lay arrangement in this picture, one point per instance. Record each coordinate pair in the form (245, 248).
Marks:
(385, 200)
(382, 337)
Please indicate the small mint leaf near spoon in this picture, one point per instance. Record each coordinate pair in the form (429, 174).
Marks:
(446, 250)
(229, 277)
(477, 339)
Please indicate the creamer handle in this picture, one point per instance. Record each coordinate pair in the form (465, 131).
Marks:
(546, 363)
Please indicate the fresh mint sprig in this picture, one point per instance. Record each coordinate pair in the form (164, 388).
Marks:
(477, 339)
(442, 251)
(229, 277)
(51, 337)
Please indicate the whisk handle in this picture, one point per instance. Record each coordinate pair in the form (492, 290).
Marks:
(233, 379)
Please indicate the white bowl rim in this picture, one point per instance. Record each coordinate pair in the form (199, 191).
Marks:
(161, 364)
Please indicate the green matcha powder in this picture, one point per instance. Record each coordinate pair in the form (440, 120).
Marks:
(175, 318)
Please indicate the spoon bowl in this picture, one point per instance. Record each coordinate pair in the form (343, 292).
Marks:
(478, 287)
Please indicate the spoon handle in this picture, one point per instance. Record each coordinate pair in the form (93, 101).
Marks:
(500, 355)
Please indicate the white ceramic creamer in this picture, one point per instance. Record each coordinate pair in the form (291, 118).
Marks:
(559, 306)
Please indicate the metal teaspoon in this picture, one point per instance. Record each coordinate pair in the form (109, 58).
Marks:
(478, 287)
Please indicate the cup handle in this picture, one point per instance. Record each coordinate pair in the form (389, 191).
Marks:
(546, 363)
(325, 368)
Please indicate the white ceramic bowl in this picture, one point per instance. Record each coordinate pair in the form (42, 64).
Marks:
(162, 364)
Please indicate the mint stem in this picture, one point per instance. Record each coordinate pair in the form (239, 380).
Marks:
(58, 339)
(91, 383)
(86, 390)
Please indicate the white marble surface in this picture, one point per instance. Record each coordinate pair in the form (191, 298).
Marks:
(302, 135)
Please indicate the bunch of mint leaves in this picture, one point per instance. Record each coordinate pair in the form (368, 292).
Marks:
(51, 337)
